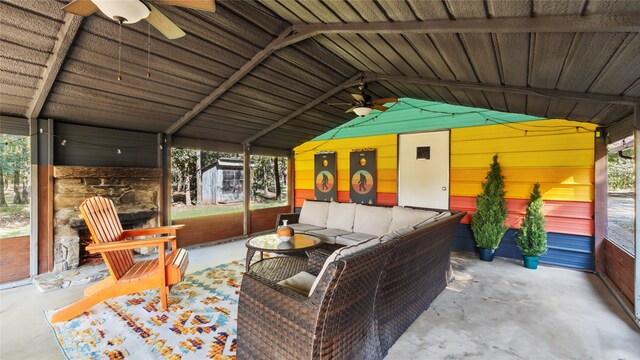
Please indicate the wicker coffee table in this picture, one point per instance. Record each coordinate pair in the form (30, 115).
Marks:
(270, 243)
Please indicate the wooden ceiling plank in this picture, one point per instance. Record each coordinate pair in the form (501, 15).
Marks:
(548, 58)
(466, 9)
(341, 47)
(548, 93)
(500, 8)
(230, 81)
(617, 75)
(482, 56)
(592, 51)
(304, 108)
(66, 35)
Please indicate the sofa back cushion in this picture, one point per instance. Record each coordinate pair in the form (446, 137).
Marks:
(374, 220)
(341, 253)
(403, 217)
(396, 233)
(341, 216)
(314, 213)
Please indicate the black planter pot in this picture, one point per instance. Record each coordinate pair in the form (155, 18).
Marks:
(486, 254)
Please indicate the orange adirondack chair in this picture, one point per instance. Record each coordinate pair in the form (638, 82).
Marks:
(127, 275)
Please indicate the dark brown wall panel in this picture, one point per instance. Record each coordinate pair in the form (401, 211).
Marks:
(265, 219)
(94, 146)
(619, 267)
(14, 259)
(205, 229)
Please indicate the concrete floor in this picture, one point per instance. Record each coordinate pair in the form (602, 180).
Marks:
(497, 310)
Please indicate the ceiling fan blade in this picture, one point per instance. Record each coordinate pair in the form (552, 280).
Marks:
(207, 5)
(351, 110)
(162, 23)
(358, 97)
(385, 101)
(379, 107)
(338, 103)
(81, 7)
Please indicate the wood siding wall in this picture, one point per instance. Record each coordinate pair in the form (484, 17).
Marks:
(619, 266)
(387, 157)
(207, 229)
(14, 259)
(559, 154)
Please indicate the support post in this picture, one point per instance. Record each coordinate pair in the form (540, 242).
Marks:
(291, 180)
(33, 202)
(246, 183)
(44, 195)
(600, 200)
(636, 147)
(164, 162)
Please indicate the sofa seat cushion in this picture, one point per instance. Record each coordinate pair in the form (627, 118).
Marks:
(341, 253)
(314, 213)
(304, 228)
(341, 216)
(353, 238)
(328, 235)
(403, 217)
(373, 220)
(300, 282)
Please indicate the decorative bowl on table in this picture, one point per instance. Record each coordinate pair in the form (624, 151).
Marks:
(284, 232)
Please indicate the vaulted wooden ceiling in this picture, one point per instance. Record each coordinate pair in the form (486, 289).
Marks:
(263, 72)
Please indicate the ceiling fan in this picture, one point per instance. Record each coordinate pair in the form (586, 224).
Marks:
(362, 105)
(132, 11)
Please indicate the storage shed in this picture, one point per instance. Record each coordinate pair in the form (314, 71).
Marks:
(222, 182)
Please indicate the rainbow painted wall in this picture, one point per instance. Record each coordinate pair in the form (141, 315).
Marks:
(558, 154)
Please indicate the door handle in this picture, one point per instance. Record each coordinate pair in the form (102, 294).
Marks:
(444, 188)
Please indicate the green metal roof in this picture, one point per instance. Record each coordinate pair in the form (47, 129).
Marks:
(411, 115)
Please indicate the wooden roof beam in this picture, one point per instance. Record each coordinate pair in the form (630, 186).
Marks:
(548, 93)
(285, 38)
(542, 24)
(66, 35)
(317, 101)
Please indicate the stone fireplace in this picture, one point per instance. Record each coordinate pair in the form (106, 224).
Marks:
(134, 191)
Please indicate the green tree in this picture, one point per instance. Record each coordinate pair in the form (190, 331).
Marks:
(532, 238)
(488, 221)
(14, 162)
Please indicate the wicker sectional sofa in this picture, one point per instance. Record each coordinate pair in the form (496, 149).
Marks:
(356, 301)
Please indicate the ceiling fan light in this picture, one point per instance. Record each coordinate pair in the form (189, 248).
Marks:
(362, 111)
(131, 11)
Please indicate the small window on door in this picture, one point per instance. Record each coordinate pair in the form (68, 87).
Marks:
(423, 153)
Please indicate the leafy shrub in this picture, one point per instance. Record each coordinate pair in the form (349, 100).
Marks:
(487, 223)
(532, 239)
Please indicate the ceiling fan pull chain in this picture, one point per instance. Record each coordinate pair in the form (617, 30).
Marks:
(148, 49)
(119, 49)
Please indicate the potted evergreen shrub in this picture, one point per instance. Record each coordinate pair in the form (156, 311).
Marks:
(487, 223)
(532, 239)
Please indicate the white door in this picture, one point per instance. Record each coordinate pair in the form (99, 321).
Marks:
(423, 170)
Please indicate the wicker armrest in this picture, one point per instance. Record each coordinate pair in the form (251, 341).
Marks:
(316, 260)
(272, 314)
(292, 218)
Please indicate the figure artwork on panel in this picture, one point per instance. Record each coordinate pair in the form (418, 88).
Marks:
(325, 176)
(363, 177)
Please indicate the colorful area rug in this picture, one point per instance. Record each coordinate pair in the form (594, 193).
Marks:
(200, 322)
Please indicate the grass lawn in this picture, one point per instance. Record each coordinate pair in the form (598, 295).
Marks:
(183, 212)
(14, 220)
